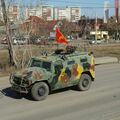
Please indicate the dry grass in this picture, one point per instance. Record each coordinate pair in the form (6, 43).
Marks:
(99, 51)
(110, 50)
(3, 59)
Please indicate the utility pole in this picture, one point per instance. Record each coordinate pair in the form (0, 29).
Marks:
(8, 35)
(96, 28)
(117, 16)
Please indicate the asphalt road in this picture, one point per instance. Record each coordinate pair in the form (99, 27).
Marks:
(101, 102)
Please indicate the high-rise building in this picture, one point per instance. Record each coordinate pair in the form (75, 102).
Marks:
(106, 11)
(117, 9)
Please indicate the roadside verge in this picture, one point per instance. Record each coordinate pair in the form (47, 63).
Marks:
(106, 60)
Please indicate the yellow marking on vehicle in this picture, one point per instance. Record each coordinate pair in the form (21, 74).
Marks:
(79, 70)
(62, 73)
(63, 76)
(92, 68)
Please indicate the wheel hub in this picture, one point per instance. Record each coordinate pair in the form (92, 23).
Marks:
(41, 91)
(85, 83)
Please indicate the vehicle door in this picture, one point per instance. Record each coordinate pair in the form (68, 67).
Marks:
(57, 69)
(65, 73)
(62, 74)
(69, 70)
(74, 70)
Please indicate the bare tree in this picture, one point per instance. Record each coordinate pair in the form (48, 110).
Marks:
(68, 28)
(6, 21)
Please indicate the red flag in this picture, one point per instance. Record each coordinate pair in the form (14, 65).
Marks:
(60, 37)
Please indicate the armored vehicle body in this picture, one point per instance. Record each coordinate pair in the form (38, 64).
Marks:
(63, 68)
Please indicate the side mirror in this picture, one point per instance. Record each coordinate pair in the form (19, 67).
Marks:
(91, 53)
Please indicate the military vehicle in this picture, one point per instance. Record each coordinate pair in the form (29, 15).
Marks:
(63, 68)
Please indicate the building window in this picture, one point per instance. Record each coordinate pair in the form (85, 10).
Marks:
(14, 8)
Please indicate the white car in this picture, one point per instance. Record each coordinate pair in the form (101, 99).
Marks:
(19, 41)
(98, 41)
(70, 38)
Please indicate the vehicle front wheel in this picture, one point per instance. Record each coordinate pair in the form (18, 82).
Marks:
(40, 91)
(84, 82)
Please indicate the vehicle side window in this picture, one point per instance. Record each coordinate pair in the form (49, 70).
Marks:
(71, 62)
(46, 65)
(58, 66)
(35, 63)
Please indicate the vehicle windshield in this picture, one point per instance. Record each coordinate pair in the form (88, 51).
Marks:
(42, 64)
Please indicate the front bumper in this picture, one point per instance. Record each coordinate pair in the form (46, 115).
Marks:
(19, 88)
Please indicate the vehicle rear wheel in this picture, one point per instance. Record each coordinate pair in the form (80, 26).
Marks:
(84, 83)
(40, 91)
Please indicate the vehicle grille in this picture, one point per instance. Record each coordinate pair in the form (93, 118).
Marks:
(17, 80)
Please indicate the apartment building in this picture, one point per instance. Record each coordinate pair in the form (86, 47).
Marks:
(13, 12)
(59, 13)
(44, 11)
(71, 14)
(75, 14)
(48, 12)
(32, 11)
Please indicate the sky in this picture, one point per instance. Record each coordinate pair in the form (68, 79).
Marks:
(88, 7)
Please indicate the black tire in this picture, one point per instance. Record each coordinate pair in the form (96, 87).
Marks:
(40, 91)
(84, 83)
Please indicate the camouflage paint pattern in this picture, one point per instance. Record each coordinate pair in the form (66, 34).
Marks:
(77, 70)
(63, 76)
(37, 75)
(67, 76)
(92, 67)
